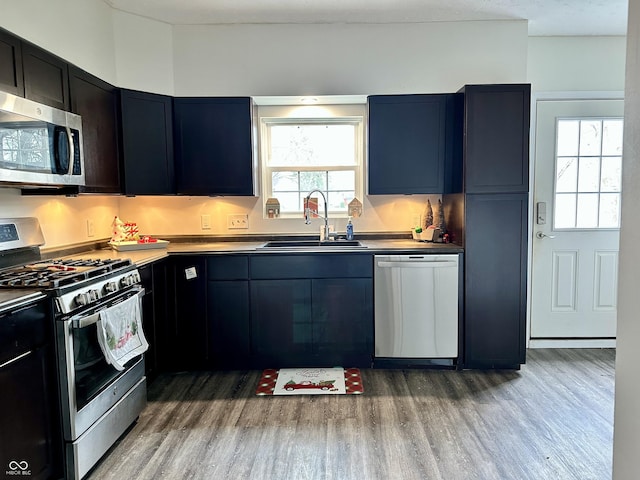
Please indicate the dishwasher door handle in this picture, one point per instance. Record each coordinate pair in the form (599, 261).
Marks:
(417, 264)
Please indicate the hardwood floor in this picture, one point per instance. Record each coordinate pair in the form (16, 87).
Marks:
(551, 420)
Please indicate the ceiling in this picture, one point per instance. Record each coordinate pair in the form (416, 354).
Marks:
(546, 17)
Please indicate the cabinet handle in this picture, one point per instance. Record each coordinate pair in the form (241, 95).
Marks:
(15, 359)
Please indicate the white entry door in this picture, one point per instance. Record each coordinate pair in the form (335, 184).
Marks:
(576, 219)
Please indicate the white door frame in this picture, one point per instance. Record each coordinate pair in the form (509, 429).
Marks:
(535, 98)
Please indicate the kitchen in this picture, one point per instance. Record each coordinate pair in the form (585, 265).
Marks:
(496, 52)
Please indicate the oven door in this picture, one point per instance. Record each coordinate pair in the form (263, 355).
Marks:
(90, 385)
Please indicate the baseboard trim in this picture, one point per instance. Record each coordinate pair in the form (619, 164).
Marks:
(572, 343)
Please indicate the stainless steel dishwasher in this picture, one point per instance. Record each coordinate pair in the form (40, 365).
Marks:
(416, 306)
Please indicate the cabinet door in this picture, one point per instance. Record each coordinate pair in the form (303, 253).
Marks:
(187, 341)
(407, 143)
(497, 138)
(11, 80)
(97, 103)
(27, 414)
(148, 323)
(46, 77)
(161, 317)
(281, 332)
(495, 280)
(29, 410)
(214, 146)
(147, 143)
(342, 318)
(229, 331)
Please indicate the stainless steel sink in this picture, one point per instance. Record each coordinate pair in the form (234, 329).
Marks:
(297, 244)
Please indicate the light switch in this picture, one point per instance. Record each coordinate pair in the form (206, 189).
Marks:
(205, 222)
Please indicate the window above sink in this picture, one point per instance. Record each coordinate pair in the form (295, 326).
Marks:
(312, 147)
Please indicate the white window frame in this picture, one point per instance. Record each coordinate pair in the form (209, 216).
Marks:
(321, 116)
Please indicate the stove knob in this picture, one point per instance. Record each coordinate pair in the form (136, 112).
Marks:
(82, 299)
(93, 295)
(126, 281)
(136, 277)
(110, 287)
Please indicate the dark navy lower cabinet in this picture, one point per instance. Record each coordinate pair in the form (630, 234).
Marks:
(315, 310)
(228, 319)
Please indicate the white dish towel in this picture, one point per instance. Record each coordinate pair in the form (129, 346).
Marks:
(120, 332)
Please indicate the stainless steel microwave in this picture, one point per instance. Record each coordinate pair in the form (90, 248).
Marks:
(39, 145)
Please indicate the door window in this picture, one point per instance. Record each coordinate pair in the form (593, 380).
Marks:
(588, 173)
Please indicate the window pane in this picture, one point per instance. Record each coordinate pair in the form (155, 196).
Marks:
(590, 137)
(284, 181)
(313, 180)
(340, 200)
(344, 180)
(587, 216)
(589, 175)
(312, 145)
(289, 202)
(565, 210)
(612, 137)
(568, 136)
(566, 174)
(611, 174)
(610, 210)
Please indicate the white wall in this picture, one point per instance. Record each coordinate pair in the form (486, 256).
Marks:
(63, 219)
(570, 64)
(144, 53)
(346, 59)
(80, 31)
(626, 442)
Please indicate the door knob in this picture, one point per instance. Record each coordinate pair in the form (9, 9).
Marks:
(544, 235)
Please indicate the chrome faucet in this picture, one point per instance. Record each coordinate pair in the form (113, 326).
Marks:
(307, 210)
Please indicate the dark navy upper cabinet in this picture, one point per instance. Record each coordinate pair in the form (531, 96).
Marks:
(496, 129)
(147, 143)
(96, 102)
(214, 146)
(11, 80)
(46, 77)
(410, 142)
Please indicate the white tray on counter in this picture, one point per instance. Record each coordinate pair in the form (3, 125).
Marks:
(128, 246)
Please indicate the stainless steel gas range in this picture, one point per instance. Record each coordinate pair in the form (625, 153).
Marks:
(100, 398)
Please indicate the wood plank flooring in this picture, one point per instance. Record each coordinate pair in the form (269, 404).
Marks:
(551, 420)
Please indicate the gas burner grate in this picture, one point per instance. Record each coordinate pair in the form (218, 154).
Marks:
(58, 273)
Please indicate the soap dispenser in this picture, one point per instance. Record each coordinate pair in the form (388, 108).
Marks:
(349, 230)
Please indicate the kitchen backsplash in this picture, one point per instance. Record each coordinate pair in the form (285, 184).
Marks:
(64, 220)
(70, 220)
(183, 215)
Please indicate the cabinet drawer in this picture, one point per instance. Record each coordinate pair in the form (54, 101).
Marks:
(311, 266)
(228, 267)
(22, 330)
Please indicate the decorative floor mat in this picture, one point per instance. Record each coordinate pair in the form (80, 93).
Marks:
(310, 381)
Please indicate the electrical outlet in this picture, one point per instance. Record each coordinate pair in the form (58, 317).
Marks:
(238, 222)
(205, 222)
(91, 231)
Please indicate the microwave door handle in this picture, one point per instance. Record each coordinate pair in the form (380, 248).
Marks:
(71, 150)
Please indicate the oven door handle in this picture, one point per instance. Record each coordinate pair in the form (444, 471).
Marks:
(84, 320)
